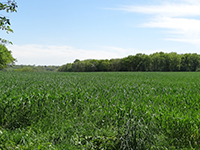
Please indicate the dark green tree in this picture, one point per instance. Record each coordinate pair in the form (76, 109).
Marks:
(194, 61)
(126, 63)
(5, 57)
(158, 61)
(9, 6)
(90, 65)
(175, 61)
(185, 66)
(115, 64)
(155, 57)
(76, 60)
(103, 65)
(145, 63)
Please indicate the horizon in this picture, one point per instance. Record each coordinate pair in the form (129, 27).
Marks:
(59, 33)
(100, 59)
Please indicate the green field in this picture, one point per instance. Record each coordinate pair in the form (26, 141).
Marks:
(149, 110)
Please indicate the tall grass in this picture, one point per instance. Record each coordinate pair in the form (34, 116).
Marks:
(113, 111)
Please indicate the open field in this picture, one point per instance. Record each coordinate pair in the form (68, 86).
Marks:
(148, 110)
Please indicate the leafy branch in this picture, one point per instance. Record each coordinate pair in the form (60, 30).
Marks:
(9, 6)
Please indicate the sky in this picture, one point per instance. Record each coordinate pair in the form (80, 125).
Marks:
(50, 32)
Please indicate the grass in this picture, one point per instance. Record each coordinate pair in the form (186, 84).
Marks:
(126, 110)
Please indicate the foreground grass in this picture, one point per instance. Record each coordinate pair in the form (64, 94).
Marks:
(99, 110)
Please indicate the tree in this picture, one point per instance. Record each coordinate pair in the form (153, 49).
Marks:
(155, 57)
(175, 61)
(185, 62)
(77, 60)
(26, 69)
(103, 65)
(158, 61)
(194, 61)
(5, 57)
(145, 63)
(9, 6)
(90, 65)
(115, 64)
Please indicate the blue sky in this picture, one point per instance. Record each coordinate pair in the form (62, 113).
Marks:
(50, 32)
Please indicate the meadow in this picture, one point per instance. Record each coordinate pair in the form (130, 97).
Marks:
(112, 110)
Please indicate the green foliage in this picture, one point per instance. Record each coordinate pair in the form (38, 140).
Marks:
(25, 139)
(25, 69)
(140, 62)
(76, 61)
(31, 68)
(198, 69)
(5, 57)
(10, 6)
(131, 110)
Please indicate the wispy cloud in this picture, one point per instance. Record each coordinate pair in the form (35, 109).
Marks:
(181, 17)
(59, 55)
(167, 9)
(123, 52)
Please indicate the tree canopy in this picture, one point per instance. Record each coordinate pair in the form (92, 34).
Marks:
(9, 6)
(5, 57)
(159, 61)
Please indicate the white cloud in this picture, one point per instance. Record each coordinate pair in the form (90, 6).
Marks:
(178, 16)
(129, 51)
(59, 55)
(194, 2)
(121, 51)
(192, 41)
(187, 29)
(172, 10)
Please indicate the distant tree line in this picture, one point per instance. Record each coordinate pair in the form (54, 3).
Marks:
(158, 61)
(30, 68)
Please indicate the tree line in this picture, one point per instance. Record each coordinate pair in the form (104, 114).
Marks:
(30, 68)
(158, 61)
